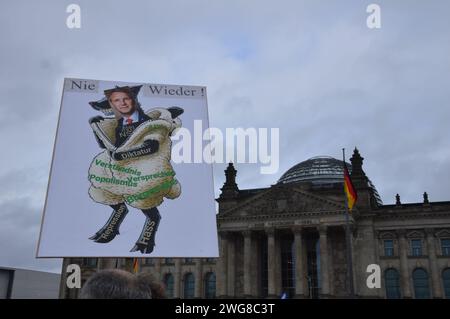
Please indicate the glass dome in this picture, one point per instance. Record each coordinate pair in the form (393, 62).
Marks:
(320, 170)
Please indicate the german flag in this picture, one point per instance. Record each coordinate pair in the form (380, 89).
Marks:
(349, 189)
(135, 265)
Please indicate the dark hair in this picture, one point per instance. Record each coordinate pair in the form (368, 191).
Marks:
(114, 284)
(124, 89)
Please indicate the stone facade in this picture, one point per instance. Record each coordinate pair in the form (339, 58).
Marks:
(291, 238)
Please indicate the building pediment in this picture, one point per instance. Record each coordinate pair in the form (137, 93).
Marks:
(386, 234)
(283, 200)
(443, 233)
(414, 234)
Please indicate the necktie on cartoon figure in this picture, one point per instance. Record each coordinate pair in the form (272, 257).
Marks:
(137, 172)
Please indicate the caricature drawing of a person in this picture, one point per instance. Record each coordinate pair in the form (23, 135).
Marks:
(134, 168)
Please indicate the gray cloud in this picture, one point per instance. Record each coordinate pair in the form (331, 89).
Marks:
(311, 68)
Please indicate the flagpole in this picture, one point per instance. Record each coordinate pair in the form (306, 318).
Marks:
(349, 242)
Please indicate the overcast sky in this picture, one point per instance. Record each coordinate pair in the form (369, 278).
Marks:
(311, 68)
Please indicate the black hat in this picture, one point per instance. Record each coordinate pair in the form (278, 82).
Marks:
(103, 104)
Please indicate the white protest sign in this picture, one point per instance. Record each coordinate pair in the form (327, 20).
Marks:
(114, 190)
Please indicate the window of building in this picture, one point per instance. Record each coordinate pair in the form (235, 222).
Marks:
(210, 285)
(189, 286)
(392, 283)
(210, 260)
(168, 282)
(416, 247)
(445, 246)
(318, 267)
(90, 262)
(313, 266)
(188, 260)
(389, 247)
(287, 266)
(446, 279)
(168, 261)
(421, 287)
(149, 261)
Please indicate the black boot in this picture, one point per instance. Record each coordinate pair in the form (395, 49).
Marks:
(146, 241)
(111, 228)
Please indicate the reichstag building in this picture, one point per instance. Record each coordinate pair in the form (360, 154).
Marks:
(289, 239)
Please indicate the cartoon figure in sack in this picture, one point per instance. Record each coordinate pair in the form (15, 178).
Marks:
(134, 167)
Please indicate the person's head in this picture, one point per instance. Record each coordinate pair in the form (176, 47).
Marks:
(146, 280)
(114, 284)
(122, 101)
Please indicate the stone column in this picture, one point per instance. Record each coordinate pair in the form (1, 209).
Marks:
(325, 289)
(271, 263)
(106, 263)
(63, 282)
(221, 268)
(198, 278)
(278, 271)
(299, 268)
(231, 266)
(129, 264)
(157, 265)
(307, 290)
(350, 263)
(404, 269)
(177, 279)
(247, 263)
(256, 270)
(435, 275)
